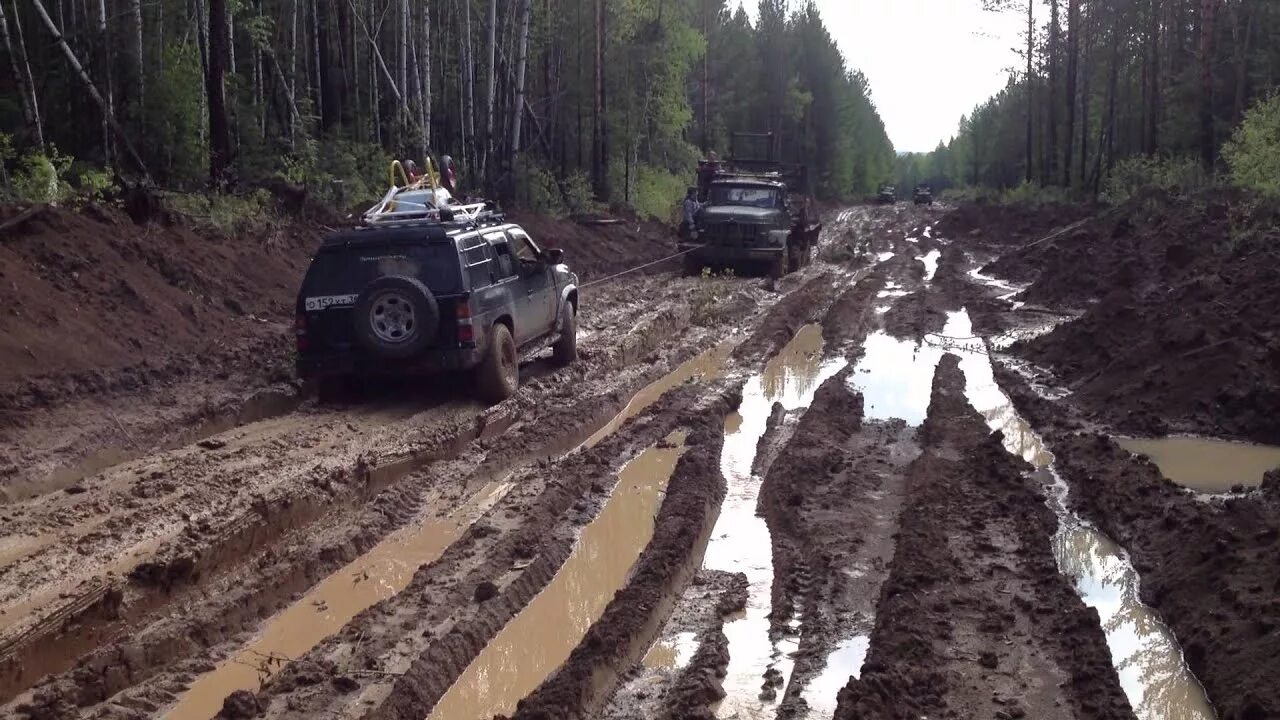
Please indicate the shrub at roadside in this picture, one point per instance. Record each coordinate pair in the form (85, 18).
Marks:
(1253, 153)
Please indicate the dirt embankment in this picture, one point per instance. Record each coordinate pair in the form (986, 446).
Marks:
(1181, 335)
(1209, 567)
(975, 620)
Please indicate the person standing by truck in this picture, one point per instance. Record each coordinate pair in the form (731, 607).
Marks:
(690, 211)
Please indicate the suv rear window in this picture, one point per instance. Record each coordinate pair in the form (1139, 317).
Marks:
(478, 263)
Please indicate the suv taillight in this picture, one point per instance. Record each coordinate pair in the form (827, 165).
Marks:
(466, 331)
(300, 331)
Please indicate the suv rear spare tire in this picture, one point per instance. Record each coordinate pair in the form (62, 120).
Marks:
(499, 373)
(565, 349)
(396, 317)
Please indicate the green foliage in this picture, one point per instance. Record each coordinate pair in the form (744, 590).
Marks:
(223, 212)
(657, 192)
(1253, 153)
(176, 149)
(94, 184)
(39, 177)
(1171, 174)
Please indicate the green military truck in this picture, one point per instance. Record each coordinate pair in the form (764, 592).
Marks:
(755, 213)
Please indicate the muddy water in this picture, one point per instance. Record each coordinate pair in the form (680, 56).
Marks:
(930, 262)
(1146, 655)
(706, 366)
(843, 662)
(672, 654)
(740, 541)
(375, 576)
(895, 377)
(541, 637)
(1206, 465)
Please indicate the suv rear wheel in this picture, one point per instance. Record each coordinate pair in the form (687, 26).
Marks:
(498, 376)
(565, 350)
(396, 317)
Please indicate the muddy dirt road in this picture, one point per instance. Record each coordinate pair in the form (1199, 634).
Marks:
(840, 495)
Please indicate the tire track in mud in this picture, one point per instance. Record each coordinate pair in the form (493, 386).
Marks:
(121, 664)
(1207, 563)
(975, 619)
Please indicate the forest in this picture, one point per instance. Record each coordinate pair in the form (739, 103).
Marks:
(1116, 94)
(559, 105)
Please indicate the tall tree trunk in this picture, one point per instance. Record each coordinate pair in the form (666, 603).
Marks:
(22, 76)
(104, 60)
(89, 86)
(599, 131)
(1050, 170)
(526, 10)
(219, 132)
(1152, 131)
(1208, 16)
(139, 62)
(1090, 28)
(1113, 88)
(486, 171)
(1073, 67)
(1030, 83)
(1242, 34)
(706, 78)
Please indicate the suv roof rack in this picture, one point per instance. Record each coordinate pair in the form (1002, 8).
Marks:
(425, 201)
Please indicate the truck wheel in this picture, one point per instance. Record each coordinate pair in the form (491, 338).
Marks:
(565, 349)
(499, 374)
(779, 267)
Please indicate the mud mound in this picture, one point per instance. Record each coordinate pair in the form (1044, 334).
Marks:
(1209, 568)
(595, 251)
(98, 303)
(1007, 225)
(1184, 337)
(974, 609)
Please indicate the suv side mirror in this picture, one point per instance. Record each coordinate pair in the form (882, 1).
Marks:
(555, 256)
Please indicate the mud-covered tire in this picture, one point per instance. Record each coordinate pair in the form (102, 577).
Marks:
(692, 266)
(499, 374)
(396, 317)
(780, 267)
(565, 350)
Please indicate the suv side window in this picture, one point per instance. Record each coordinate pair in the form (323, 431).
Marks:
(526, 251)
(501, 248)
(479, 264)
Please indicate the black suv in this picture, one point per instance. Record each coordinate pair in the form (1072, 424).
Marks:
(924, 195)
(432, 296)
(888, 195)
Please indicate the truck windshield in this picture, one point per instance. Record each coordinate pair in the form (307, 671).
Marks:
(749, 195)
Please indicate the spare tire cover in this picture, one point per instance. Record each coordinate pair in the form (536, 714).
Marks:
(396, 317)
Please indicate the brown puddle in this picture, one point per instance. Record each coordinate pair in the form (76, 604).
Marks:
(540, 638)
(672, 654)
(1207, 465)
(375, 576)
(708, 365)
(741, 541)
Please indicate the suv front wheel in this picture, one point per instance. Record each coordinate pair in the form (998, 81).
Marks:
(498, 375)
(565, 349)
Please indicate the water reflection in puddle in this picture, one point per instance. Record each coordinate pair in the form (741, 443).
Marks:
(895, 377)
(930, 261)
(1145, 653)
(672, 654)
(540, 638)
(843, 663)
(1207, 465)
(741, 541)
(881, 257)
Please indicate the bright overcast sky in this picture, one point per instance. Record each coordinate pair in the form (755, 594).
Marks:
(928, 61)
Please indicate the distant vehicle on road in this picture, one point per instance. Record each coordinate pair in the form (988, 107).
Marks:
(429, 284)
(924, 195)
(755, 213)
(888, 194)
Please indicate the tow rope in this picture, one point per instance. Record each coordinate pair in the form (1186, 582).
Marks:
(615, 276)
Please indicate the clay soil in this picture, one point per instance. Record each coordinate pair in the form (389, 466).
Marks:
(198, 507)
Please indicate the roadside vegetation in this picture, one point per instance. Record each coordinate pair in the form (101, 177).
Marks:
(563, 109)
